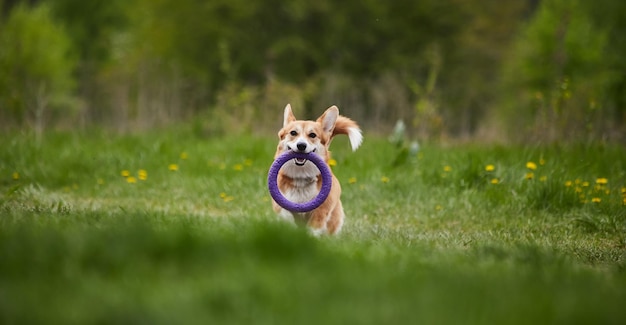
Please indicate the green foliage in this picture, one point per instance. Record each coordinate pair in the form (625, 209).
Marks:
(551, 70)
(91, 26)
(35, 66)
(145, 63)
(610, 17)
(558, 76)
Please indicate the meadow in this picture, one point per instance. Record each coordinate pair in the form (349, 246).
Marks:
(173, 227)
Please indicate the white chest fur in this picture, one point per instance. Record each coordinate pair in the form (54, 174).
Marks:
(303, 190)
(304, 181)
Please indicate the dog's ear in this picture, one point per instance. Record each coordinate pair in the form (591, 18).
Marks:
(288, 116)
(328, 119)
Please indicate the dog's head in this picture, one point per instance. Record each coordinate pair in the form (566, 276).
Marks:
(313, 136)
(306, 137)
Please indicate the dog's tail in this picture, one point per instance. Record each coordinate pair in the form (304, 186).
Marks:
(346, 126)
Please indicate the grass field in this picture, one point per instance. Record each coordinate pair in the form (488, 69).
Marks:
(173, 228)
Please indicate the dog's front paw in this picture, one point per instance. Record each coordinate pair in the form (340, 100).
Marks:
(286, 216)
(317, 232)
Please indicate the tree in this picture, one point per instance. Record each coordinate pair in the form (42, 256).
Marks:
(555, 80)
(609, 17)
(35, 66)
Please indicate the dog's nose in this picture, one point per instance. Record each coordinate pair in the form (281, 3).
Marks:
(301, 146)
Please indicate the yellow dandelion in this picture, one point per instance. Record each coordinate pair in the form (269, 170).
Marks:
(226, 198)
(125, 173)
(602, 181)
(247, 162)
(624, 201)
(578, 189)
(238, 167)
(16, 175)
(596, 200)
(438, 207)
(183, 155)
(624, 190)
(568, 183)
(142, 174)
(529, 176)
(384, 179)
(490, 168)
(531, 165)
(607, 191)
(351, 180)
(585, 184)
(447, 169)
(543, 178)
(495, 181)
(542, 161)
(332, 162)
(173, 167)
(131, 180)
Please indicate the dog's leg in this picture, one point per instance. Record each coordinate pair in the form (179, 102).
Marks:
(335, 222)
(317, 222)
(287, 216)
(328, 217)
(283, 214)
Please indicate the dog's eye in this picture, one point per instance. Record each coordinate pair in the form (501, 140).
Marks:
(312, 135)
(293, 133)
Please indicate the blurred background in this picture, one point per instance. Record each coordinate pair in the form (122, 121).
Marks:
(486, 70)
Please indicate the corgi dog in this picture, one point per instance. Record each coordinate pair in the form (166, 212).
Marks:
(300, 181)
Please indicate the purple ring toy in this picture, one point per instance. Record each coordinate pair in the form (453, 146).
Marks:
(272, 182)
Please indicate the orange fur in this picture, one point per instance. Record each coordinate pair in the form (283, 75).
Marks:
(343, 124)
(300, 181)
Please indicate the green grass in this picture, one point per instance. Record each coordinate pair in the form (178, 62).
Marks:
(431, 240)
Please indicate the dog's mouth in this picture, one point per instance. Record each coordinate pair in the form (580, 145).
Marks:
(299, 161)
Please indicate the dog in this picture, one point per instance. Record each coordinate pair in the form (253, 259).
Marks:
(300, 181)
